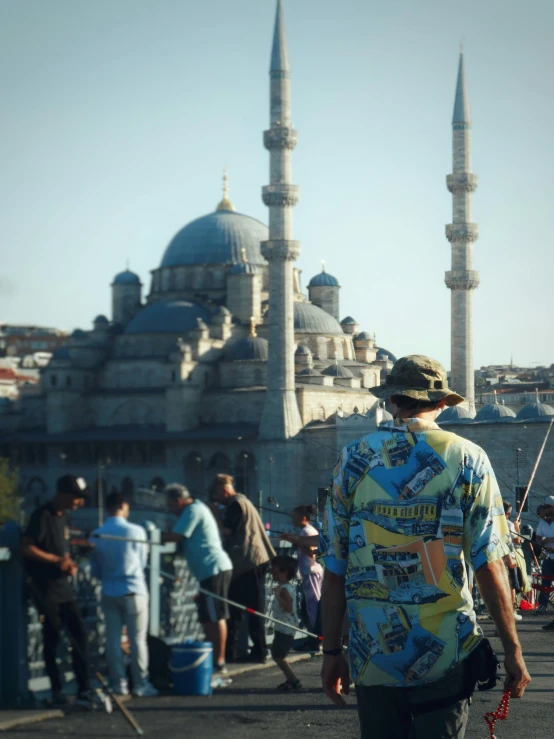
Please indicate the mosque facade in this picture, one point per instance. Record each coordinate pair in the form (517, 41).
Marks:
(226, 365)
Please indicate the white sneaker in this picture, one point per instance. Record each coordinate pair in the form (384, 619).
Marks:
(123, 688)
(146, 691)
(517, 617)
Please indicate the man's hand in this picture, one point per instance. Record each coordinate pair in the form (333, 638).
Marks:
(68, 565)
(335, 677)
(517, 677)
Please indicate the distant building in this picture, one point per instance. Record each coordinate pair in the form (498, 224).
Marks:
(18, 341)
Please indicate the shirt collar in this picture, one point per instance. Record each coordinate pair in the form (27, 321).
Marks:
(409, 424)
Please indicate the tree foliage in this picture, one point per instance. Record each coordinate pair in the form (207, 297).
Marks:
(9, 499)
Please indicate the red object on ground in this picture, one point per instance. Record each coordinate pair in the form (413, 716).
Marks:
(501, 713)
(526, 606)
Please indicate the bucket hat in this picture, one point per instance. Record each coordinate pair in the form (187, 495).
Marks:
(420, 378)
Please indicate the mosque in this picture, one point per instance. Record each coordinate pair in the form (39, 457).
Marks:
(226, 365)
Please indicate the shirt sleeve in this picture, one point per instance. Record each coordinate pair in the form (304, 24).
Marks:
(233, 516)
(187, 522)
(486, 533)
(141, 549)
(34, 528)
(333, 539)
(95, 569)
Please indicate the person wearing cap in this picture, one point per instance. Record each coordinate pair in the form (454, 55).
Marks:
(49, 568)
(197, 535)
(119, 565)
(545, 538)
(409, 505)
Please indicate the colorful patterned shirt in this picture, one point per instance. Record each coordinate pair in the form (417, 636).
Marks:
(409, 506)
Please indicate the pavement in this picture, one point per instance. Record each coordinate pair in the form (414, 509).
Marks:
(251, 707)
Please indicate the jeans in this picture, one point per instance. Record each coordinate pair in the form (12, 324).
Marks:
(66, 615)
(132, 611)
(248, 590)
(547, 569)
(392, 713)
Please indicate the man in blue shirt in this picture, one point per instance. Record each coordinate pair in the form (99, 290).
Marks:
(198, 534)
(120, 566)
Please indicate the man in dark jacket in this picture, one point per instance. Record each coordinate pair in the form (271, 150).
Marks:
(250, 550)
(45, 547)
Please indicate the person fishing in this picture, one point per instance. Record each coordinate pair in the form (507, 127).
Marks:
(311, 572)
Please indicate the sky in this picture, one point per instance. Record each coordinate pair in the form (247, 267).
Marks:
(118, 117)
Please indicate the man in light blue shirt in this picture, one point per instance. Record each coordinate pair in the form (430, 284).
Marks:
(197, 533)
(120, 567)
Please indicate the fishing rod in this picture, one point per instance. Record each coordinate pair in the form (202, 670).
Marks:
(251, 611)
(537, 462)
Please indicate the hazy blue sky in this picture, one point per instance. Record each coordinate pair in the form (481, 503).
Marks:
(119, 115)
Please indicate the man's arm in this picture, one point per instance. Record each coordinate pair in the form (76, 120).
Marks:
(335, 673)
(494, 587)
(30, 551)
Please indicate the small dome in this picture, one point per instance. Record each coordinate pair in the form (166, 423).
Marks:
(385, 415)
(337, 370)
(248, 349)
(79, 334)
(364, 336)
(535, 410)
(126, 278)
(309, 319)
(348, 321)
(61, 352)
(456, 414)
(167, 317)
(217, 238)
(494, 412)
(222, 310)
(384, 354)
(323, 279)
(101, 320)
(309, 372)
(244, 268)
(303, 349)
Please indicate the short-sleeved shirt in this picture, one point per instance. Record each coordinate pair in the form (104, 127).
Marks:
(546, 530)
(48, 529)
(289, 621)
(202, 545)
(307, 565)
(409, 506)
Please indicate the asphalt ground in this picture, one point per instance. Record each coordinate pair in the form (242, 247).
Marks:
(252, 708)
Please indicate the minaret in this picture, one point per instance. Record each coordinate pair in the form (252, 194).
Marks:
(462, 279)
(280, 417)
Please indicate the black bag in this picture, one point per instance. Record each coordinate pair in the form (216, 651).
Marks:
(483, 667)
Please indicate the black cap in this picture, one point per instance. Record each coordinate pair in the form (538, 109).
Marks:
(75, 486)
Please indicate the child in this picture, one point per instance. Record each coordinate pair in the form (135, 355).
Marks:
(283, 569)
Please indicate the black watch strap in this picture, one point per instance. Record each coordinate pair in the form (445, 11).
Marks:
(333, 652)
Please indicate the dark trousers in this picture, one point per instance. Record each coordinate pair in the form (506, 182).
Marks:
(248, 590)
(402, 713)
(547, 569)
(67, 616)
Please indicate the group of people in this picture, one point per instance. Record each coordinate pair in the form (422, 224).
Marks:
(227, 550)
(410, 508)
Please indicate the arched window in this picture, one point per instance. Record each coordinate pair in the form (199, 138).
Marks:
(194, 473)
(127, 488)
(245, 473)
(157, 484)
(219, 463)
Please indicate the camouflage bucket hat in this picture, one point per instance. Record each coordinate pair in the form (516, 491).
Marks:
(420, 378)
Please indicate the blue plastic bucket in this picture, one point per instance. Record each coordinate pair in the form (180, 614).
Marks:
(192, 667)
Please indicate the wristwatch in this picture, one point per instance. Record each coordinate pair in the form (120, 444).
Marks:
(333, 652)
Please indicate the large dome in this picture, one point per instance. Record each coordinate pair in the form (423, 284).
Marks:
(167, 317)
(217, 238)
(309, 319)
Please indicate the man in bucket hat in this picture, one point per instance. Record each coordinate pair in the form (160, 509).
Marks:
(409, 505)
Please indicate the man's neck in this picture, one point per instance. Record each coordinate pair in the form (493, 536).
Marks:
(430, 416)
